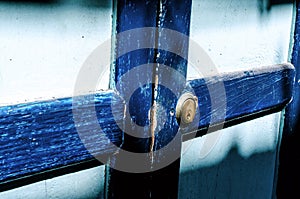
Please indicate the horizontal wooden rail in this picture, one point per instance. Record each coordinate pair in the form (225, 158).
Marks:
(39, 140)
(41, 137)
(248, 95)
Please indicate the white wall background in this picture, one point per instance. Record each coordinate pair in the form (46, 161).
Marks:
(237, 35)
(43, 46)
(87, 184)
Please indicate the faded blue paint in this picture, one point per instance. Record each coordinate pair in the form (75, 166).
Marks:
(174, 15)
(132, 14)
(247, 93)
(42, 136)
(131, 62)
(237, 35)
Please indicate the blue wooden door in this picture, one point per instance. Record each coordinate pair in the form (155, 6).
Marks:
(173, 15)
(132, 128)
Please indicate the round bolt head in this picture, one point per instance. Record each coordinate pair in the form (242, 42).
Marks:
(188, 111)
(186, 108)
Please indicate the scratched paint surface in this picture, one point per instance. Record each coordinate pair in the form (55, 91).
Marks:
(164, 14)
(174, 15)
(41, 136)
(132, 14)
(132, 64)
(247, 93)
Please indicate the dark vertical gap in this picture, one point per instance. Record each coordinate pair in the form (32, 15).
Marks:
(289, 157)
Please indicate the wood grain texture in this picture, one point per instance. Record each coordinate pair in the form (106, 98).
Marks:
(174, 15)
(170, 14)
(132, 14)
(42, 136)
(249, 94)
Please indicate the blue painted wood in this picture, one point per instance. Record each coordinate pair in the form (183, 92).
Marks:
(289, 174)
(131, 14)
(134, 14)
(163, 14)
(174, 15)
(41, 136)
(249, 94)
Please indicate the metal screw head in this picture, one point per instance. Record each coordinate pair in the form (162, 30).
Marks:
(186, 108)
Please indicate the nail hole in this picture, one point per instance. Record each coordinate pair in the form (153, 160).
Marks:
(172, 112)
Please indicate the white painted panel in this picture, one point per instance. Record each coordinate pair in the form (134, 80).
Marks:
(32, 191)
(241, 164)
(43, 46)
(87, 184)
(236, 34)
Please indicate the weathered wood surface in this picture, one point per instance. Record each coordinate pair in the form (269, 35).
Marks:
(132, 14)
(41, 136)
(249, 94)
(170, 14)
(171, 79)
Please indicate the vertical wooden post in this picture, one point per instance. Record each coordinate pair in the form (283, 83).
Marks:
(174, 15)
(150, 102)
(132, 14)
